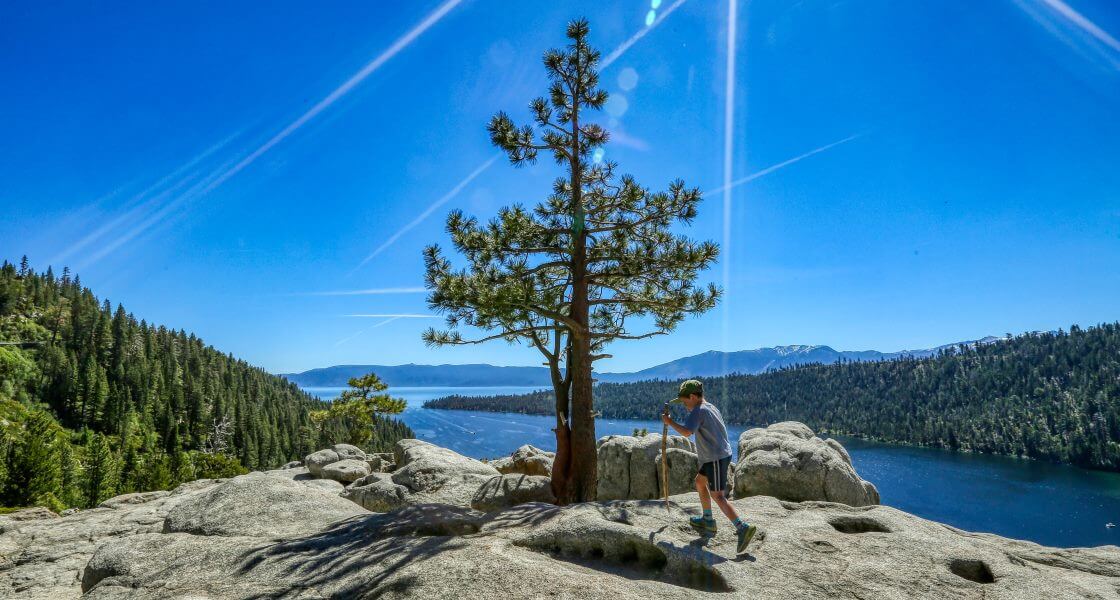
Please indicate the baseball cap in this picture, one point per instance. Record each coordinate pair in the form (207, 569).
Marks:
(691, 386)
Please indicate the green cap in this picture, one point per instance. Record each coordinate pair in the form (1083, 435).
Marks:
(692, 386)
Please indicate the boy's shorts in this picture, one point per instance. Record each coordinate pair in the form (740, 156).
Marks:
(716, 473)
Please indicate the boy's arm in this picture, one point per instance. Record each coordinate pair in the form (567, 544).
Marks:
(692, 421)
(677, 426)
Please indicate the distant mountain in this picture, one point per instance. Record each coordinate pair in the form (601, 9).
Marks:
(1048, 396)
(709, 364)
(411, 375)
(751, 362)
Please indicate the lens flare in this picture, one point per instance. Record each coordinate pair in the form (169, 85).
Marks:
(617, 105)
(628, 79)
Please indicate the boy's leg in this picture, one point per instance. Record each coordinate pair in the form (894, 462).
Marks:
(725, 506)
(743, 531)
(702, 489)
(705, 524)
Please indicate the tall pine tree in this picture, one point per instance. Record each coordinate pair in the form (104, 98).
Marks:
(572, 275)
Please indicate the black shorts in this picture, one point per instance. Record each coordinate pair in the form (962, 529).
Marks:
(716, 473)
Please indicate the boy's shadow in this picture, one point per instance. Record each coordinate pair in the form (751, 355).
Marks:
(704, 540)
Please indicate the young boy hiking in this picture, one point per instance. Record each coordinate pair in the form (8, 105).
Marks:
(714, 452)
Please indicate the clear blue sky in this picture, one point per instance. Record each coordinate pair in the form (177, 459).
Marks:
(207, 165)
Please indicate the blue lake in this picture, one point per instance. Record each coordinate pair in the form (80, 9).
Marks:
(1049, 504)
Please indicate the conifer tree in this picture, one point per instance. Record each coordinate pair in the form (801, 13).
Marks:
(100, 471)
(359, 407)
(148, 390)
(70, 472)
(572, 274)
(34, 471)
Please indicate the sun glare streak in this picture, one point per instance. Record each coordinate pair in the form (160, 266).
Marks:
(1073, 29)
(154, 218)
(1082, 22)
(369, 292)
(366, 330)
(775, 167)
(619, 51)
(134, 210)
(603, 64)
(427, 212)
(728, 164)
(397, 316)
(230, 168)
(399, 45)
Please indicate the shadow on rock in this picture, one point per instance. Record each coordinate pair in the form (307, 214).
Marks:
(364, 551)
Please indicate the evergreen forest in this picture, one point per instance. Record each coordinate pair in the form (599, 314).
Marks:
(1048, 396)
(94, 403)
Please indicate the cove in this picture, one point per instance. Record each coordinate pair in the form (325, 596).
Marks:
(1054, 505)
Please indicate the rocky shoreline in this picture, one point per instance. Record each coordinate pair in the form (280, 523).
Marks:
(425, 521)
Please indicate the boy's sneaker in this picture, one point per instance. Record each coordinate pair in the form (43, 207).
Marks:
(745, 534)
(705, 526)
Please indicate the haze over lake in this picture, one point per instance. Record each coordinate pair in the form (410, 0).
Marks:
(1050, 504)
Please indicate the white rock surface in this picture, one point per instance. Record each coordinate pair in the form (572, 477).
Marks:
(604, 550)
(512, 489)
(526, 460)
(630, 467)
(316, 547)
(346, 451)
(425, 474)
(786, 461)
(347, 470)
(317, 460)
(259, 505)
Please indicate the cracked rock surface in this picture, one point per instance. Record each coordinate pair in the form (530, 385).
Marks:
(273, 534)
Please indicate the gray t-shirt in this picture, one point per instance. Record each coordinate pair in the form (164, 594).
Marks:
(706, 423)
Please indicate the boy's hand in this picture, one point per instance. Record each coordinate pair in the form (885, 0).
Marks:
(666, 419)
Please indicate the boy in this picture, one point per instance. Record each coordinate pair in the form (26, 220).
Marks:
(714, 452)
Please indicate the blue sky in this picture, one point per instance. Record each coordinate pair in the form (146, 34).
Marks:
(228, 167)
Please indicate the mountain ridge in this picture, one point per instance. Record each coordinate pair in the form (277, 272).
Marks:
(711, 363)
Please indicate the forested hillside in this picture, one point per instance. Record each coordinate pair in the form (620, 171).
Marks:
(1050, 396)
(94, 403)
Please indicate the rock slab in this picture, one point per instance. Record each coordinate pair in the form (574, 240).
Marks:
(425, 474)
(512, 489)
(259, 505)
(526, 460)
(347, 470)
(619, 550)
(630, 467)
(786, 461)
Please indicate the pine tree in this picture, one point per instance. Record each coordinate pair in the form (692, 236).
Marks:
(100, 471)
(70, 475)
(130, 470)
(34, 470)
(149, 391)
(566, 276)
(357, 408)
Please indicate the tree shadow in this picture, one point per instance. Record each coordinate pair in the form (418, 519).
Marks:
(361, 553)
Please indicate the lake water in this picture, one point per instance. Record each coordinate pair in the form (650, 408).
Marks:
(1050, 504)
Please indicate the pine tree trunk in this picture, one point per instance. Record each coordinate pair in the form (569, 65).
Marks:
(585, 458)
(575, 468)
(561, 463)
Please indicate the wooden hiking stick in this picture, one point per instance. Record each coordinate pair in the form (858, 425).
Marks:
(665, 458)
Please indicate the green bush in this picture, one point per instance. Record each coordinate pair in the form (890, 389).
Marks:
(216, 466)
